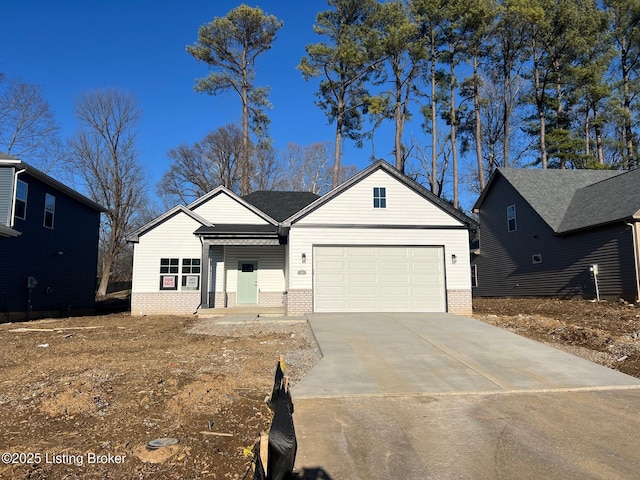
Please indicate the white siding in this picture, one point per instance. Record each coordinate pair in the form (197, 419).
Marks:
(223, 209)
(354, 206)
(171, 239)
(270, 266)
(454, 241)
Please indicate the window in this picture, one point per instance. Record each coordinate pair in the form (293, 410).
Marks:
(190, 273)
(379, 197)
(169, 273)
(536, 258)
(49, 210)
(22, 190)
(474, 275)
(511, 218)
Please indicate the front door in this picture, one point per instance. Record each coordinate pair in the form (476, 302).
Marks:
(247, 282)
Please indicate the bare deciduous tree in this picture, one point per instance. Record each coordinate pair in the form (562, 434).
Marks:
(309, 168)
(103, 154)
(198, 169)
(28, 129)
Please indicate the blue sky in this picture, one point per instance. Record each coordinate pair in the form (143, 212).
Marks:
(69, 47)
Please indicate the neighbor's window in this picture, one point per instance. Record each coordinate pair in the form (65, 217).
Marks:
(49, 210)
(22, 190)
(511, 218)
(379, 197)
(474, 275)
(190, 273)
(169, 268)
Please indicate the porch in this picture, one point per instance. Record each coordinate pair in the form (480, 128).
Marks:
(243, 270)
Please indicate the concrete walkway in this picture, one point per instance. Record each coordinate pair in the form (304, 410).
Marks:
(421, 396)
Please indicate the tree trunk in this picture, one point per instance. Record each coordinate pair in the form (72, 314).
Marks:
(598, 132)
(539, 97)
(244, 162)
(434, 128)
(453, 119)
(478, 123)
(399, 127)
(338, 153)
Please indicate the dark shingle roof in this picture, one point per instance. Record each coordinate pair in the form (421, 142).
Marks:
(550, 192)
(280, 205)
(607, 201)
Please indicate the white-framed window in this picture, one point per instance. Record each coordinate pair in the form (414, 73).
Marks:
(379, 197)
(49, 210)
(169, 269)
(474, 275)
(511, 218)
(190, 273)
(22, 191)
(536, 258)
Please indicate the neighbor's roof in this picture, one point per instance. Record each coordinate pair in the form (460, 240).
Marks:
(280, 205)
(569, 200)
(611, 200)
(9, 161)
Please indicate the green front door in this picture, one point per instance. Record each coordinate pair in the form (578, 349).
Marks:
(247, 282)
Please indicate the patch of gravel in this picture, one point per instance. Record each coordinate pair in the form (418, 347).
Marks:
(298, 361)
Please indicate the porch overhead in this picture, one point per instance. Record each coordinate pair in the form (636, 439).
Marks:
(240, 234)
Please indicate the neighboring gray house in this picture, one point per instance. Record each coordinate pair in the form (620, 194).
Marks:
(378, 242)
(541, 231)
(48, 245)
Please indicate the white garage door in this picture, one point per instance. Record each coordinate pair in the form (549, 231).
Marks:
(378, 279)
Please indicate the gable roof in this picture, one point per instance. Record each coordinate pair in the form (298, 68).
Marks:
(564, 198)
(402, 178)
(223, 190)
(280, 205)
(9, 161)
(134, 236)
(611, 200)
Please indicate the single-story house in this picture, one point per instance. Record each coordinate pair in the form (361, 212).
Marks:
(48, 245)
(546, 232)
(378, 242)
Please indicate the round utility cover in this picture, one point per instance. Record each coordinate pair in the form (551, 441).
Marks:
(161, 442)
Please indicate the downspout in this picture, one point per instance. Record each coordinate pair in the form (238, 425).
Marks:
(15, 191)
(636, 256)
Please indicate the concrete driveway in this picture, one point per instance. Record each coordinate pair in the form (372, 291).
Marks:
(422, 396)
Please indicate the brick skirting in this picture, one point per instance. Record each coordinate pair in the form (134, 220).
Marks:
(298, 302)
(459, 302)
(159, 303)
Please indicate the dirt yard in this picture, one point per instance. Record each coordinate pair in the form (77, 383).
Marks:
(81, 397)
(97, 389)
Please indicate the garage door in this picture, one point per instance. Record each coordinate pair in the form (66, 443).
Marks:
(378, 279)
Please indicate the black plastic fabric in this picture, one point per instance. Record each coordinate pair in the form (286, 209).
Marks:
(282, 437)
(259, 473)
(277, 382)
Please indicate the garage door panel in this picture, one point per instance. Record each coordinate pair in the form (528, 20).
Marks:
(378, 279)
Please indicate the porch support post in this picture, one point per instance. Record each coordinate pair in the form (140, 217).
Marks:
(204, 275)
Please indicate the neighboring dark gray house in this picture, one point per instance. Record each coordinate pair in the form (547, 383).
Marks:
(48, 245)
(541, 231)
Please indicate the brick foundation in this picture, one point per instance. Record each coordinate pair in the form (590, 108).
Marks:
(459, 302)
(298, 302)
(157, 303)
